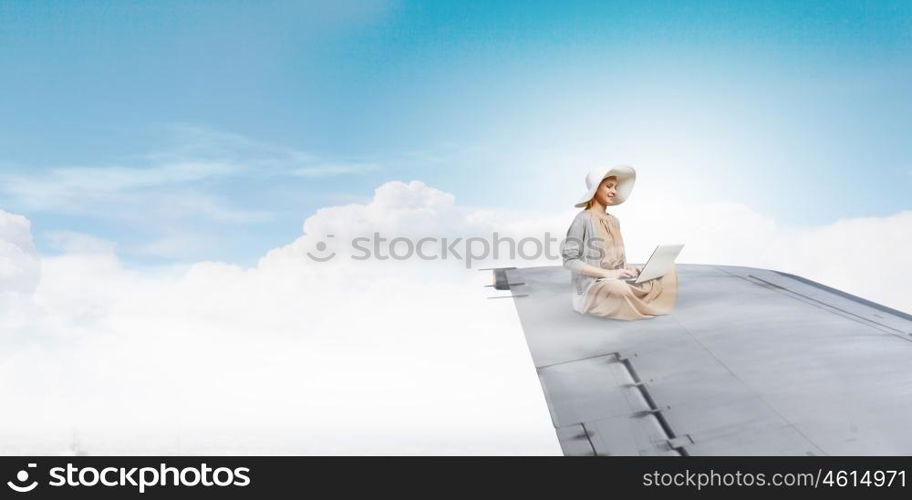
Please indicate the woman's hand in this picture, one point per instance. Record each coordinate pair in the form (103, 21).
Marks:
(635, 269)
(618, 273)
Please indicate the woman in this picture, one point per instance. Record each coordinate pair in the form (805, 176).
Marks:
(594, 253)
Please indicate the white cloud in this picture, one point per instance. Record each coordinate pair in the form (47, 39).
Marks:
(331, 169)
(196, 177)
(384, 357)
(177, 205)
(20, 271)
(865, 256)
(19, 266)
(174, 246)
(79, 243)
(77, 187)
(265, 158)
(293, 358)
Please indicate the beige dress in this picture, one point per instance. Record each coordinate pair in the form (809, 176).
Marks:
(615, 298)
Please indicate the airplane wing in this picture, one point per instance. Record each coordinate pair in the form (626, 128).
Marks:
(750, 362)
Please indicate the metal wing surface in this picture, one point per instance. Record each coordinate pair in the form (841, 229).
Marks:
(750, 362)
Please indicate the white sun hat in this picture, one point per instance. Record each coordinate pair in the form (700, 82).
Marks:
(626, 177)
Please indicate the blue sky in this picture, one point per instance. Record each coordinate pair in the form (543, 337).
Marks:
(210, 130)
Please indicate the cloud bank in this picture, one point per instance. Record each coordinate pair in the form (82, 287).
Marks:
(19, 266)
(344, 356)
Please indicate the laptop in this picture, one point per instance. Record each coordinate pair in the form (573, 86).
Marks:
(659, 263)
